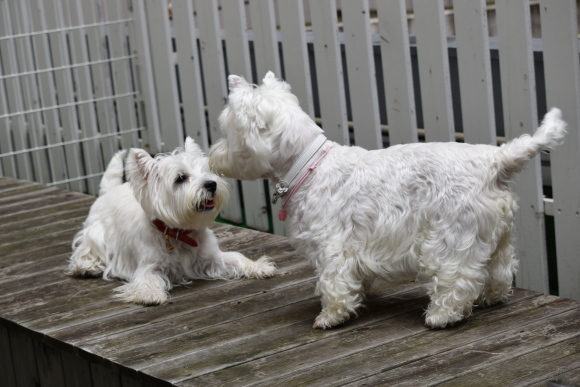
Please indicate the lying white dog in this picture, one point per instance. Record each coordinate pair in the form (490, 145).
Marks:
(439, 211)
(152, 232)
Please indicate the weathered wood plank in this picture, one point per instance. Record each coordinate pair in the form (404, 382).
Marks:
(281, 329)
(55, 197)
(78, 371)
(23, 359)
(210, 297)
(486, 322)
(76, 317)
(570, 378)
(544, 364)
(482, 353)
(6, 366)
(49, 364)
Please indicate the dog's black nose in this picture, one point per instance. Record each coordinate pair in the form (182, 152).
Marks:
(210, 185)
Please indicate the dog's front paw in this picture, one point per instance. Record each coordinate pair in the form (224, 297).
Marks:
(264, 268)
(141, 294)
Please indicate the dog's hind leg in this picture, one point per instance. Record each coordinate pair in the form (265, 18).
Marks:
(87, 257)
(457, 274)
(501, 270)
(453, 293)
(342, 292)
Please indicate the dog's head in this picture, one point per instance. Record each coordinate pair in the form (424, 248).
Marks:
(178, 187)
(262, 127)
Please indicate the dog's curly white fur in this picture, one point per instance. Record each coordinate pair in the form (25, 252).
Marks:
(440, 211)
(118, 239)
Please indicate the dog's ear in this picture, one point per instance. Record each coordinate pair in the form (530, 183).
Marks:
(141, 167)
(269, 78)
(235, 81)
(192, 148)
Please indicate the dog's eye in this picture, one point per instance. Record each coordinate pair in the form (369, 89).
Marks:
(180, 178)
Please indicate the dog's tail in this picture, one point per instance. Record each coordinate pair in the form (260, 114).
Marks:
(113, 176)
(513, 155)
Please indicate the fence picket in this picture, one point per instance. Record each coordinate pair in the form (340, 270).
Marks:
(122, 77)
(432, 53)
(329, 72)
(189, 73)
(519, 101)
(82, 78)
(238, 52)
(295, 50)
(215, 87)
(362, 81)
(101, 78)
(562, 75)
(473, 59)
(398, 79)
(267, 58)
(16, 127)
(165, 76)
(145, 81)
(64, 87)
(47, 89)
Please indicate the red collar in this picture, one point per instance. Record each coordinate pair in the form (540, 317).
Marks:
(175, 233)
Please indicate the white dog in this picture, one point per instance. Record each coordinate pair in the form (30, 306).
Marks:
(152, 231)
(439, 211)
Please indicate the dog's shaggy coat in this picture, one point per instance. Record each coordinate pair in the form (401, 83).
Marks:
(440, 211)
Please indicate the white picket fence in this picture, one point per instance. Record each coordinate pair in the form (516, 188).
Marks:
(80, 80)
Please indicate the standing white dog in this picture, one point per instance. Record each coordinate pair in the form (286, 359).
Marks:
(152, 231)
(440, 211)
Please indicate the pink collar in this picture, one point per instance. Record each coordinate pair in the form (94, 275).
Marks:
(282, 213)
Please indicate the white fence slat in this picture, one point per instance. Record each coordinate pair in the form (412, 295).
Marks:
(145, 82)
(520, 116)
(265, 39)
(13, 102)
(64, 86)
(562, 75)
(432, 53)
(9, 162)
(236, 35)
(473, 59)
(397, 75)
(189, 73)
(295, 52)
(215, 87)
(361, 74)
(267, 58)
(122, 77)
(47, 89)
(30, 95)
(87, 114)
(329, 72)
(238, 54)
(101, 78)
(165, 76)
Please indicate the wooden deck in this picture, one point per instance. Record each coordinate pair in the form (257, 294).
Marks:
(61, 331)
